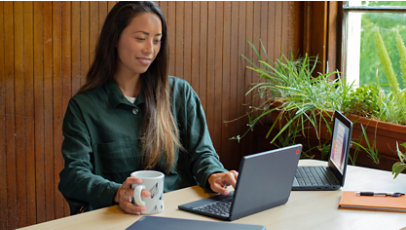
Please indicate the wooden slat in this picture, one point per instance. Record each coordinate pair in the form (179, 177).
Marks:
(332, 36)
(195, 40)
(66, 87)
(57, 102)
(39, 118)
(48, 113)
(94, 28)
(187, 44)
(110, 5)
(226, 79)
(211, 72)
(76, 63)
(234, 78)
(272, 32)
(103, 10)
(12, 215)
(84, 40)
(67, 53)
(164, 8)
(171, 21)
(179, 39)
(249, 75)
(241, 85)
(278, 29)
(203, 54)
(21, 207)
(3, 153)
(218, 82)
(29, 190)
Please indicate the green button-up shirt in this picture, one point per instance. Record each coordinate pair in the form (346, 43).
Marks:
(101, 146)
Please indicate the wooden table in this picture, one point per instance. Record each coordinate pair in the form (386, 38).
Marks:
(304, 210)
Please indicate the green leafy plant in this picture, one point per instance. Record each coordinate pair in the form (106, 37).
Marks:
(301, 101)
(298, 103)
(395, 105)
(400, 166)
(364, 101)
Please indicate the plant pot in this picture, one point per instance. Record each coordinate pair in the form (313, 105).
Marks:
(384, 134)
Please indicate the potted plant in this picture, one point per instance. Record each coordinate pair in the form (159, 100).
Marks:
(298, 104)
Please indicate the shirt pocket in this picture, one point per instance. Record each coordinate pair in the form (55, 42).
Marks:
(117, 159)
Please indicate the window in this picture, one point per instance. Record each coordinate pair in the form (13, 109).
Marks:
(360, 20)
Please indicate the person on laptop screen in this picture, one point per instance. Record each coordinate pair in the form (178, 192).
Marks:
(130, 115)
(337, 150)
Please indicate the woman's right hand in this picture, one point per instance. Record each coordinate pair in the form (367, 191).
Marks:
(124, 196)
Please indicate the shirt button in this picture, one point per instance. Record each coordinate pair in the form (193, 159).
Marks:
(135, 111)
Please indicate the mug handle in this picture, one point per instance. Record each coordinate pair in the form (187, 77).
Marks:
(137, 195)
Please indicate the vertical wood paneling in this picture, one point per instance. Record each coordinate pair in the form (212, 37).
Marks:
(249, 75)
(171, 21)
(48, 113)
(76, 63)
(278, 29)
(66, 91)
(195, 34)
(57, 103)
(187, 45)
(94, 28)
(84, 40)
(241, 85)
(226, 77)
(102, 15)
(3, 155)
(179, 38)
(12, 215)
(233, 159)
(216, 130)
(19, 109)
(46, 49)
(211, 73)
(39, 118)
(203, 53)
(29, 190)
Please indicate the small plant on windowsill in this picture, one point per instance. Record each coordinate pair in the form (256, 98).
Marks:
(400, 166)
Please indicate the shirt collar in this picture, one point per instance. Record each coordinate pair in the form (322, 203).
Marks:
(117, 98)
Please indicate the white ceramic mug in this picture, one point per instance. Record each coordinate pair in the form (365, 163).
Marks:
(153, 181)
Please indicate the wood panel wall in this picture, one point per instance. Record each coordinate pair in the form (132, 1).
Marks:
(46, 49)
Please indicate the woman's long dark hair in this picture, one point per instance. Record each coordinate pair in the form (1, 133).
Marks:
(160, 131)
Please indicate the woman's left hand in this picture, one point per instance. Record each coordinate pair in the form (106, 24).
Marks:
(219, 181)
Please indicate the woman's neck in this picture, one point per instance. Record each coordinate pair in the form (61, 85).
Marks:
(130, 85)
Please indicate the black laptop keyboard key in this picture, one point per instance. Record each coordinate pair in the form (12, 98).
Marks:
(219, 208)
(313, 176)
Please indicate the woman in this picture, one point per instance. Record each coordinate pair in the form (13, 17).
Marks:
(129, 115)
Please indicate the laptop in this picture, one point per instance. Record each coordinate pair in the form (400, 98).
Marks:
(265, 181)
(159, 223)
(313, 178)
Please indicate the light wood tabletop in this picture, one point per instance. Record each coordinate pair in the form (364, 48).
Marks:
(304, 209)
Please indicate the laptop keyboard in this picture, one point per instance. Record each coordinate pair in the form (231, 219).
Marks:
(313, 176)
(218, 208)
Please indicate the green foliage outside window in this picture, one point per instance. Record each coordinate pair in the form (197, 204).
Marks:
(388, 24)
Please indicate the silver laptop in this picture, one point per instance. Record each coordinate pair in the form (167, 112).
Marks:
(159, 223)
(312, 178)
(264, 181)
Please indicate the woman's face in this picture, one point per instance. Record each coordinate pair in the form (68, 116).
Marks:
(139, 44)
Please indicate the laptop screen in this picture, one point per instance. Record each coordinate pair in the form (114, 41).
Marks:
(339, 144)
